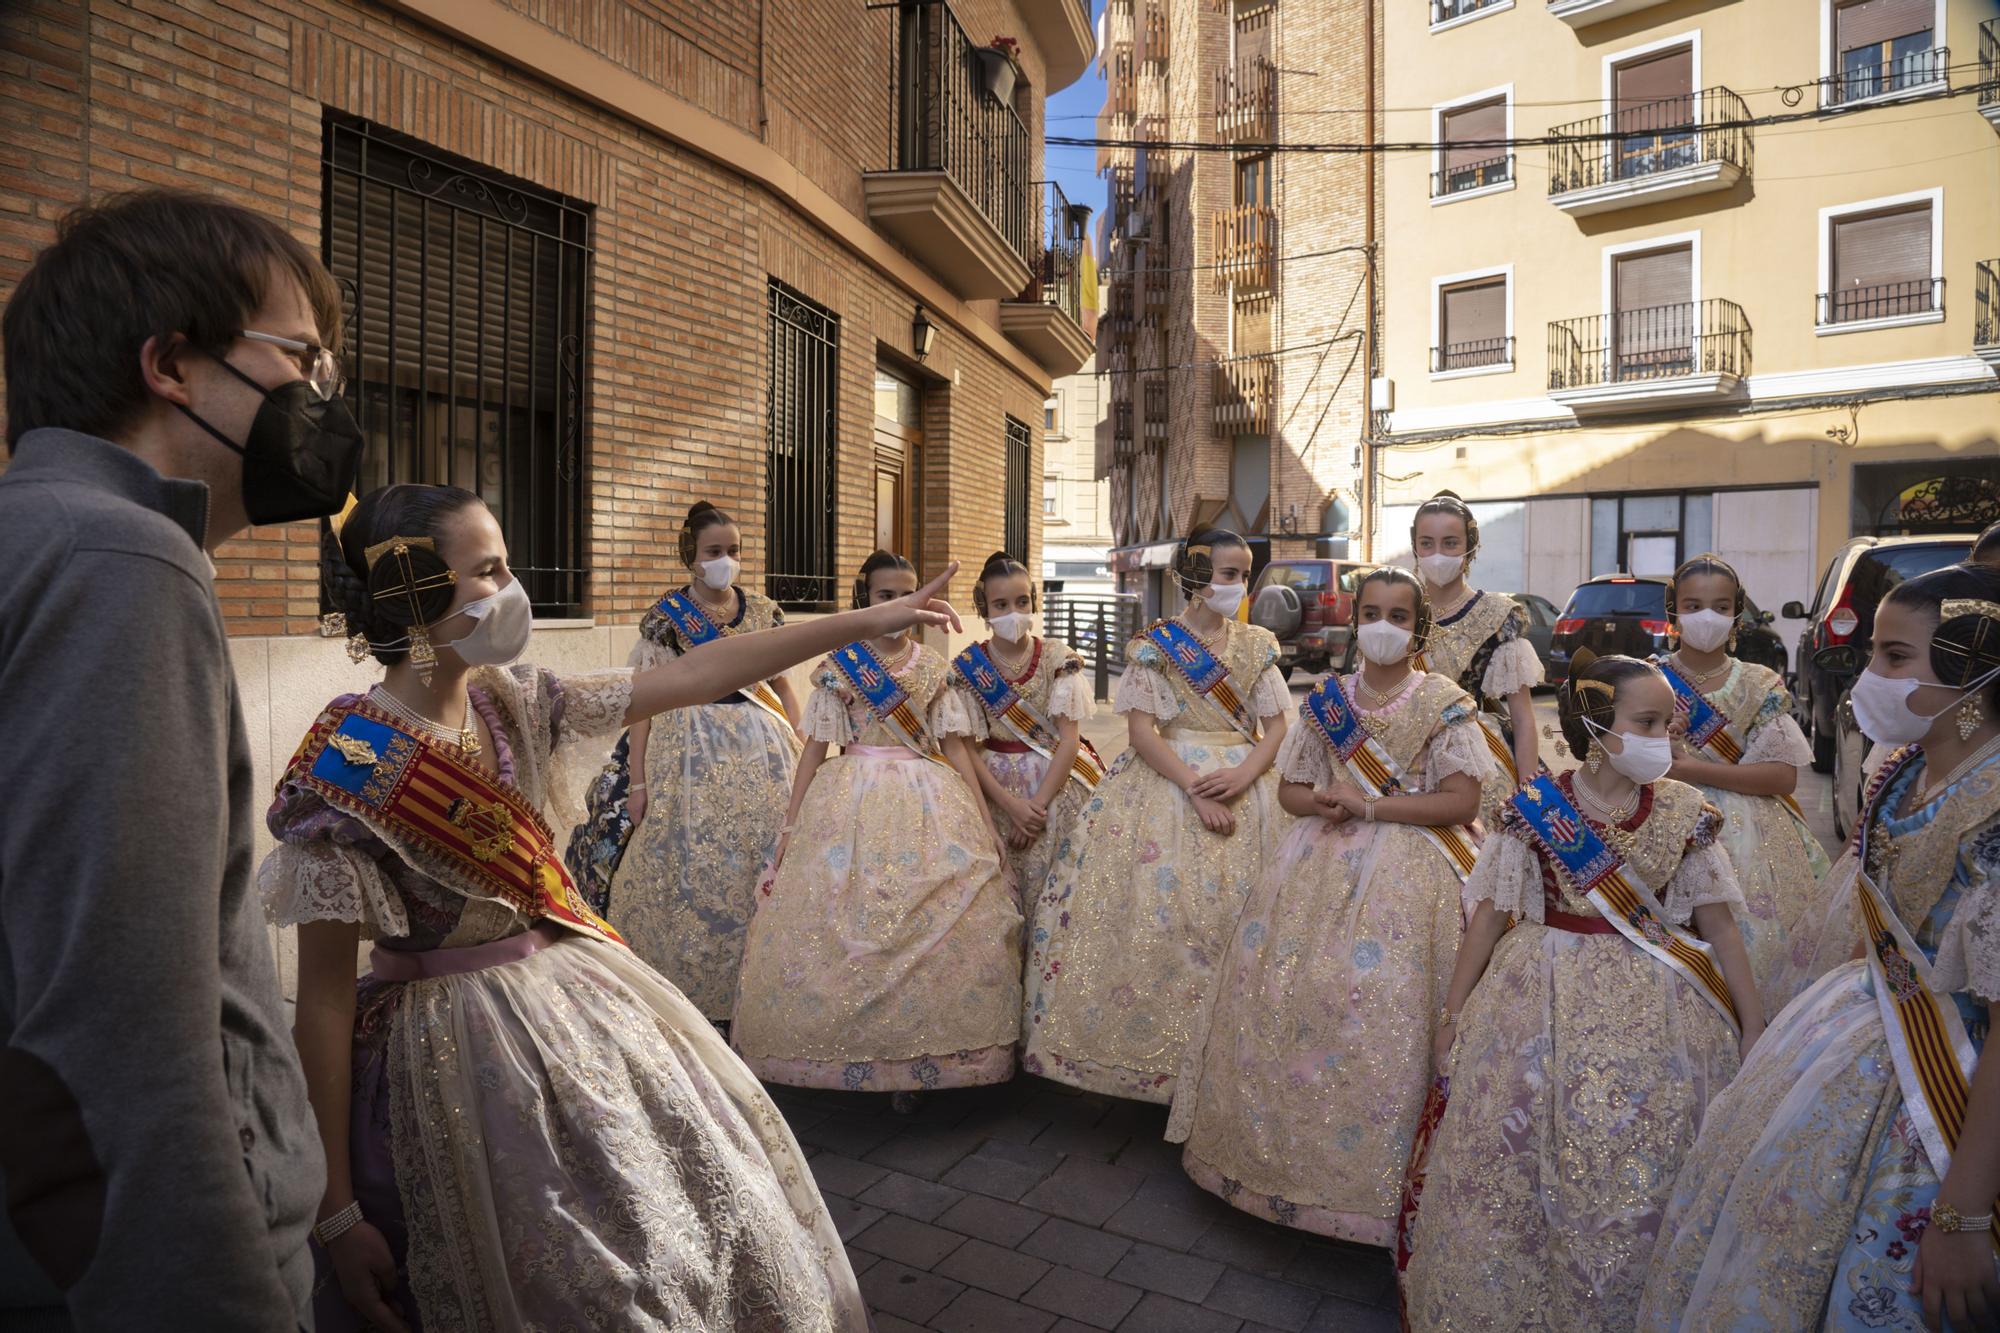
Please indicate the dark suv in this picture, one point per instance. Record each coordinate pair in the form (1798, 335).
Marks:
(1627, 613)
(1309, 605)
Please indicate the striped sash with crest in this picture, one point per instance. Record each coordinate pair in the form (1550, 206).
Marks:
(887, 699)
(1008, 706)
(695, 629)
(1333, 716)
(1201, 671)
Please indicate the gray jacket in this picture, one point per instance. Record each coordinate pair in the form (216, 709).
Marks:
(160, 1161)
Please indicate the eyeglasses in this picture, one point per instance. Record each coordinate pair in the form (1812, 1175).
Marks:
(318, 364)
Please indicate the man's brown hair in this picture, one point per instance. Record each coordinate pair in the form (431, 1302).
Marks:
(132, 267)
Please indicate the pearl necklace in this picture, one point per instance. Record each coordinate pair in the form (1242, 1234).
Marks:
(1013, 668)
(1443, 612)
(1382, 698)
(1205, 640)
(1613, 814)
(465, 738)
(1700, 678)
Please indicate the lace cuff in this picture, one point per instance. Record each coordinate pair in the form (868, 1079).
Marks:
(1969, 955)
(1303, 757)
(1509, 874)
(319, 881)
(1070, 696)
(1144, 690)
(1778, 741)
(1459, 748)
(1514, 668)
(953, 713)
(1271, 696)
(592, 703)
(826, 716)
(1705, 876)
(646, 654)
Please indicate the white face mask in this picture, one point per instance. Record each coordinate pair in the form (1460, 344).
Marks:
(1011, 626)
(1440, 570)
(1224, 598)
(1882, 706)
(502, 625)
(1383, 643)
(1705, 631)
(719, 574)
(1643, 759)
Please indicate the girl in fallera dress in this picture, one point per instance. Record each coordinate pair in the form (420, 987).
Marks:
(709, 782)
(1146, 889)
(1026, 697)
(885, 955)
(1846, 1178)
(1479, 640)
(1582, 1043)
(524, 1124)
(1299, 1099)
(1735, 739)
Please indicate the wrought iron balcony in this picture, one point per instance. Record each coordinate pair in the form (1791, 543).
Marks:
(1246, 103)
(1688, 352)
(1151, 23)
(1989, 72)
(1920, 300)
(1643, 154)
(1121, 429)
(1909, 74)
(1986, 311)
(1246, 239)
(1242, 395)
(1121, 94)
(1472, 175)
(1154, 395)
(957, 192)
(1450, 11)
(1047, 318)
(1479, 354)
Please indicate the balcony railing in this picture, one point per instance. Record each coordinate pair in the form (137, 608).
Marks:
(1122, 82)
(1152, 25)
(1989, 64)
(1657, 343)
(1444, 11)
(1121, 429)
(1058, 265)
(1246, 103)
(1637, 143)
(1478, 353)
(945, 120)
(1154, 287)
(1863, 80)
(1243, 395)
(1472, 175)
(1155, 402)
(1246, 240)
(1986, 306)
(1882, 300)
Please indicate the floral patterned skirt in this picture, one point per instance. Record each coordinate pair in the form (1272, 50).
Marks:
(1578, 1081)
(1134, 919)
(1779, 866)
(1022, 775)
(1300, 1100)
(887, 956)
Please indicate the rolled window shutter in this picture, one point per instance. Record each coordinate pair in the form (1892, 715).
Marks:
(1652, 294)
(1882, 248)
(1656, 93)
(1487, 121)
(1872, 22)
(1474, 312)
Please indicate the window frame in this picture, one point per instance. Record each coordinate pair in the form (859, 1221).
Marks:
(1505, 272)
(1829, 63)
(1886, 204)
(1504, 94)
(1016, 526)
(1638, 55)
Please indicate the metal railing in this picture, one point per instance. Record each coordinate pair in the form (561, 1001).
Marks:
(1989, 62)
(1635, 142)
(944, 119)
(1862, 80)
(1246, 239)
(1656, 343)
(1152, 26)
(1472, 175)
(1246, 103)
(1444, 11)
(1472, 355)
(1154, 391)
(1097, 626)
(1121, 82)
(1121, 429)
(1882, 300)
(1986, 304)
(1243, 395)
(1058, 262)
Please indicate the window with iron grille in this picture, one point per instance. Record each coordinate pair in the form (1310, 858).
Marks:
(805, 346)
(1017, 490)
(466, 294)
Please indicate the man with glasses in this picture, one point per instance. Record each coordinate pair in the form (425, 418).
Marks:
(169, 384)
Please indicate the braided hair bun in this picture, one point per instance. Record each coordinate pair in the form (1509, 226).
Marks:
(383, 598)
(999, 565)
(1194, 561)
(880, 560)
(1447, 502)
(700, 518)
(1589, 698)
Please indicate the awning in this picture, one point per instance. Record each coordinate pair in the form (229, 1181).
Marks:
(1148, 555)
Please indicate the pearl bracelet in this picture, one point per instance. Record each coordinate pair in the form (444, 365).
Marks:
(331, 1229)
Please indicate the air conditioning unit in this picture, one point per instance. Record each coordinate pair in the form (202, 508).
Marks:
(1382, 394)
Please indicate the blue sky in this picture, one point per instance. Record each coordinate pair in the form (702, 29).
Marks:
(1074, 111)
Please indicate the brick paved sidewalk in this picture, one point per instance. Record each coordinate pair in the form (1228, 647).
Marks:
(1032, 1208)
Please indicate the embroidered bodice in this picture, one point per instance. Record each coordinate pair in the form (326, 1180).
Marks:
(1154, 686)
(1053, 681)
(838, 714)
(1427, 727)
(1482, 647)
(1939, 867)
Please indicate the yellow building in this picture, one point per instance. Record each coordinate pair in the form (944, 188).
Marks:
(1681, 276)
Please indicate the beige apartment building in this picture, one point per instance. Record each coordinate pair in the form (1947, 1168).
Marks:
(1076, 502)
(1236, 280)
(1735, 286)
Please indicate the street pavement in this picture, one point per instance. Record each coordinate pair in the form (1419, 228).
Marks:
(1033, 1208)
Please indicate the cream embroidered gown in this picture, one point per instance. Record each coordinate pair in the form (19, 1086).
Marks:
(1778, 863)
(1578, 1080)
(1055, 684)
(1300, 1097)
(557, 1140)
(1483, 647)
(718, 777)
(1142, 901)
(1803, 1201)
(887, 956)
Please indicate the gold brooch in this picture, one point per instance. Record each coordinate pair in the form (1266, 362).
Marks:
(355, 750)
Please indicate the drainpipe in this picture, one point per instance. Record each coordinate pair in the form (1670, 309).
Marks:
(1368, 495)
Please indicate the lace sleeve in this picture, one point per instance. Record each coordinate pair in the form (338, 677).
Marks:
(1070, 695)
(1704, 875)
(1778, 741)
(1144, 689)
(1460, 747)
(1514, 667)
(1969, 955)
(646, 654)
(1271, 696)
(1303, 757)
(591, 703)
(954, 712)
(1508, 874)
(321, 880)
(827, 718)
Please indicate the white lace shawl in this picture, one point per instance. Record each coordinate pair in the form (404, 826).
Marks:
(1778, 741)
(1509, 874)
(1144, 689)
(1512, 668)
(1460, 748)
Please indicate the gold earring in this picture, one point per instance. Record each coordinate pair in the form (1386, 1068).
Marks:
(1732, 638)
(423, 657)
(357, 648)
(1596, 761)
(1970, 715)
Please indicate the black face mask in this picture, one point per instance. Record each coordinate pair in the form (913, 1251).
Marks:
(301, 456)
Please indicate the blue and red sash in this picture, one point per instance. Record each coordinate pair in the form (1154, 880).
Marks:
(1332, 715)
(1006, 704)
(1203, 673)
(447, 816)
(1708, 730)
(887, 699)
(1618, 894)
(695, 629)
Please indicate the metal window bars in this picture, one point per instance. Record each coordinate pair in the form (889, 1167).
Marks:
(1246, 103)
(1472, 175)
(1881, 300)
(1654, 343)
(1444, 11)
(1472, 355)
(1989, 62)
(1650, 139)
(1017, 446)
(802, 460)
(1986, 304)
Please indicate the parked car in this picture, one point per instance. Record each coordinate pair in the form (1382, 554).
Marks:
(1627, 613)
(1542, 616)
(1840, 625)
(1309, 605)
